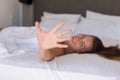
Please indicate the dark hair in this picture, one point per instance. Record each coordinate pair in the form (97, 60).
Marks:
(111, 52)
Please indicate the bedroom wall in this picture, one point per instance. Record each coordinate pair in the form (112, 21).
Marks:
(13, 13)
(28, 19)
(9, 13)
(76, 6)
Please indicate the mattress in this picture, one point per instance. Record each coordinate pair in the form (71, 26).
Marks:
(69, 67)
(19, 60)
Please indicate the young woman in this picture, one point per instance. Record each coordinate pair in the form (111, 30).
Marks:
(51, 44)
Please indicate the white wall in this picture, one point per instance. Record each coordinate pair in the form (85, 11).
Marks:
(13, 13)
(9, 13)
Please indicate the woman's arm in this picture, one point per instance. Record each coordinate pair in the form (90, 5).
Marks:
(50, 41)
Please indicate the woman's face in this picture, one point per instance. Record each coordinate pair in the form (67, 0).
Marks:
(81, 43)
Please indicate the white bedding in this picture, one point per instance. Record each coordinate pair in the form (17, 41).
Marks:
(21, 62)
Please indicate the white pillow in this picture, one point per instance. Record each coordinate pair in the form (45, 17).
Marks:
(49, 24)
(45, 13)
(100, 16)
(72, 18)
(99, 28)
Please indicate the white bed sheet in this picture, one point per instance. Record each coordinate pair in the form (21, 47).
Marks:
(21, 62)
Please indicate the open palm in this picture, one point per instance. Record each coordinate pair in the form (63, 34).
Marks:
(50, 39)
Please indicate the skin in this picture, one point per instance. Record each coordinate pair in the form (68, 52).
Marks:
(52, 45)
(80, 43)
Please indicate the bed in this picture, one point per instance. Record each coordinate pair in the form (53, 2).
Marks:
(19, 47)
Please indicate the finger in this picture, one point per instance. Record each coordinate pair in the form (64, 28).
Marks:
(63, 33)
(57, 27)
(37, 25)
(65, 39)
(62, 46)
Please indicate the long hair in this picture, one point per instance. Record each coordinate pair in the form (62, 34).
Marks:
(111, 52)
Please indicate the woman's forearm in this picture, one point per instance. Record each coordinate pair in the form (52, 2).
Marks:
(46, 55)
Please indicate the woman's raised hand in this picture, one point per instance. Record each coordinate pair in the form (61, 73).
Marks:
(50, 39)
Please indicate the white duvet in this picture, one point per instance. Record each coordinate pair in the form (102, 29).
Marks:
(19, 60)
